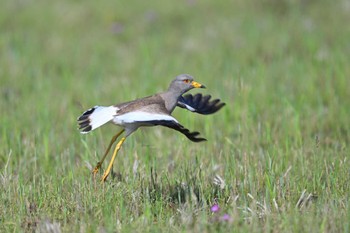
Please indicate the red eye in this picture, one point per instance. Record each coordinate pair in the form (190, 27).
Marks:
(186, 81)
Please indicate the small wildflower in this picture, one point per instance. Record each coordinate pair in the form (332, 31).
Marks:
(215, 208)
(226, 218)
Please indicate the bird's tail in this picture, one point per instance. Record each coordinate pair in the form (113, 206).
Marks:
(95, 117)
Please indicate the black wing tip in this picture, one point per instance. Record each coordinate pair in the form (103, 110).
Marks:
(86, 114)
(193, 136)
(201, 103)
(84, 126)
(198, 139)
(82, 117)
(84, 121)
(87, 129)
(216, 107)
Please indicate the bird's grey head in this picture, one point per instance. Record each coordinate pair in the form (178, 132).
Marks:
(184, 83)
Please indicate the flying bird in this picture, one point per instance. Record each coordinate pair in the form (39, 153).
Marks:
(149, 111)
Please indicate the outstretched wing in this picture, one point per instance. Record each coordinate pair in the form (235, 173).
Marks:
(193, 136)
(200, 104)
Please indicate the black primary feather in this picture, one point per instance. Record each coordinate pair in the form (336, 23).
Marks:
(193, 136)
(200, 104)
(84, 121)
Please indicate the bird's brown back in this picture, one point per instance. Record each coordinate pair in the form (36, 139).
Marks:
(151, 104)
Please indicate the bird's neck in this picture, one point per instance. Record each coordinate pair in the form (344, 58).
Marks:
(171, 97)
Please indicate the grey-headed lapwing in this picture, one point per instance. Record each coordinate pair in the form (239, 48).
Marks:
(149, 111)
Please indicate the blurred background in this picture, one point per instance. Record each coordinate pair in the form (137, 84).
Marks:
(281, 66)
(283, 63)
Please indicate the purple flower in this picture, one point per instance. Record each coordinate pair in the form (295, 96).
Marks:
(226, 218)
(215, 208)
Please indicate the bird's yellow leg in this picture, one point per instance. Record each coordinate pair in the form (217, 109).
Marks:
(114, 138)
(117, 148)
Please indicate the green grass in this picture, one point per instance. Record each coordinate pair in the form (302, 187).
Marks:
(280, 146)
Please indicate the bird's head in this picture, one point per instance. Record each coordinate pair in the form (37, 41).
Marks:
(184, 83)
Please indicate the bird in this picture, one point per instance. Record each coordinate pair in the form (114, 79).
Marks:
(153, 110)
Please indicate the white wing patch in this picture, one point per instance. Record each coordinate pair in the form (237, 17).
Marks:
(139, 116)
(101, 116)
(190, 108)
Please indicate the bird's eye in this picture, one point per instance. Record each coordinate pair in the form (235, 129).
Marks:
(186, 81)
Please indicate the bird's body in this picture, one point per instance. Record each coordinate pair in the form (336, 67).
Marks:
(149, 111)
(129, 115)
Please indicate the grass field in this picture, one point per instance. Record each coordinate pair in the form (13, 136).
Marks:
(277, 155)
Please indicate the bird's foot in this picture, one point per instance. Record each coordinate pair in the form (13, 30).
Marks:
(94, 172)
(104, 177)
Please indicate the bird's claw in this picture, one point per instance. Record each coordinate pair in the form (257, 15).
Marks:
(94, 172)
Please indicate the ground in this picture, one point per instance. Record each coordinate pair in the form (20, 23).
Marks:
(277, 155)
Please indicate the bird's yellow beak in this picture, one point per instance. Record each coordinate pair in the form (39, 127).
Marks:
(197, 85)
